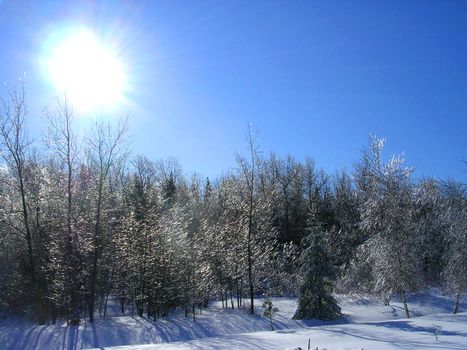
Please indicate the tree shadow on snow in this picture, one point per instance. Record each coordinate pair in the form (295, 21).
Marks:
(408, 326)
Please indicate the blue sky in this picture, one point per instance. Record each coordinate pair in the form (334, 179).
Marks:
(314, 77)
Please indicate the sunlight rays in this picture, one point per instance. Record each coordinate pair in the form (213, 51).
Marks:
(76, 62)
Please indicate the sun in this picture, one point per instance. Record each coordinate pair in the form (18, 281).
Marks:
(84, 68)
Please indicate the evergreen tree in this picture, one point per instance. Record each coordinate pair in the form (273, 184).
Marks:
(269, 311)
(316, 300)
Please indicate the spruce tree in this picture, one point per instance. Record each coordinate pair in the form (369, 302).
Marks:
(319, 274)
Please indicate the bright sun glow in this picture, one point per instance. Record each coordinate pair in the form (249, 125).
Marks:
(89, 73)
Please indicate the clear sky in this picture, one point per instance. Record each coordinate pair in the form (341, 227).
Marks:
(314, 77)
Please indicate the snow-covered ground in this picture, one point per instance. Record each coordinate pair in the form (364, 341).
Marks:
(413, 334)
(367, 324)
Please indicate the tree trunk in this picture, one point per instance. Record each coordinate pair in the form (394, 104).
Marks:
(250, 262)
(456, 306)
(238, 293)
(122, 305)
(107, 297)
(406, 307)
(37, 297)
(231, 296)
(96, 241)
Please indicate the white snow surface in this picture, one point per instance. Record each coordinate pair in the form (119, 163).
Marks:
(367, 324)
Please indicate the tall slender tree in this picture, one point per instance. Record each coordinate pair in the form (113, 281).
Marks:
(15, 151)
(105, 146)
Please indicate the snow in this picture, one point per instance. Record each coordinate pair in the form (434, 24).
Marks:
(413, 334)
(367, 323)
(366, 308)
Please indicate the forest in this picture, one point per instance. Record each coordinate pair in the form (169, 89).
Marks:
(83, 221)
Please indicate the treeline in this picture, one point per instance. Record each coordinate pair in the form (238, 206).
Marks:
(82, 221)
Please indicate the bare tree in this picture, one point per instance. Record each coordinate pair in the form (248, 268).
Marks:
(455, 260)
(15, 148)
(62, 143)
(105, 147)
(288, 173)
(248, 170)
(388, 220)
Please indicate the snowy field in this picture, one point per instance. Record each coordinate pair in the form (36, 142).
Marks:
(414, 334)
(367, 324)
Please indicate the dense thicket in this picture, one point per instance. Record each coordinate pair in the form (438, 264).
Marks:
(82, 221)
